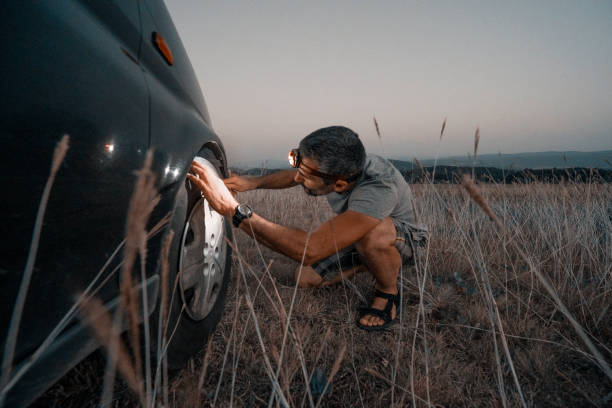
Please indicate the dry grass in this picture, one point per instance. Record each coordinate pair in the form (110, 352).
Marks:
(477, 287)
(59, 154)
(478, 327)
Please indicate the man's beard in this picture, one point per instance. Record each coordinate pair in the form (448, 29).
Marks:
(312, 193)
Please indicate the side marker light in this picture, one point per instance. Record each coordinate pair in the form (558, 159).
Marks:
(163, 48)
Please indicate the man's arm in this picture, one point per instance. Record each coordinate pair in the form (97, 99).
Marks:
(276, 180)
(337, 233)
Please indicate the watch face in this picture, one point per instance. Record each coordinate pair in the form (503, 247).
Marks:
(244, 210)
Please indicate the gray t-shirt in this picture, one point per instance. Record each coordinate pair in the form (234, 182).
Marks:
(380, 192)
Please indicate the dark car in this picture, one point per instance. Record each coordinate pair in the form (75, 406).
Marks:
(113, 76)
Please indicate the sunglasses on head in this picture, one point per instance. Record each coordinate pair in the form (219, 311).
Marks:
(295, 160)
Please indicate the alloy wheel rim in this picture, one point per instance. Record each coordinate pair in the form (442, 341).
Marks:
(202, 259)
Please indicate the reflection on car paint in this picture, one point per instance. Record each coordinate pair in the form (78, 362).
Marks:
(172, 171)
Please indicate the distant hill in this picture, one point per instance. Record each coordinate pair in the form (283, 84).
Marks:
(262, 164)
(550, 167)
(453, 174)
(534, 160)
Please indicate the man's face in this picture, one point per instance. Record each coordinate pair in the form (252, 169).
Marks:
(313, 185)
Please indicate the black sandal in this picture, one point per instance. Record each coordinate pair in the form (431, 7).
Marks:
(384, 314)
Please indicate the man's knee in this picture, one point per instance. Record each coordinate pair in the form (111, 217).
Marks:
(307, 277)
(380, 239)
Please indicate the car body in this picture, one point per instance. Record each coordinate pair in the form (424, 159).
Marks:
(112, 75)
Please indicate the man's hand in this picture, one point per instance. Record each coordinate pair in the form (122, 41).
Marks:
(213, 189)
(238, 183)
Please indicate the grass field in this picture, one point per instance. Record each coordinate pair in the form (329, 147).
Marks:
(478, 327)
(452, 353)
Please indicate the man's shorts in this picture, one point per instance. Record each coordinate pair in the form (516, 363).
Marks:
(348, 257)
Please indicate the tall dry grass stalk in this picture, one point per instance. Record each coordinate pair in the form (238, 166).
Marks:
(206, 359)
(391, 383)
(468, 184)
(278, 393)
(144, 199)
(475, 154)
(11, 340)
(476, 142)
(276, 386)
(113, 349)
(333, 372)
(433, 172)
(377, 128)
(107, 333)
(162, 362)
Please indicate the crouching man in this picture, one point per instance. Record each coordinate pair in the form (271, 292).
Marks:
(371, 231)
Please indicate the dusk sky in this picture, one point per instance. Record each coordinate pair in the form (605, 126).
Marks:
(533, 75)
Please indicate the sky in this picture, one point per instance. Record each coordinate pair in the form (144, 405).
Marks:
(532, 75)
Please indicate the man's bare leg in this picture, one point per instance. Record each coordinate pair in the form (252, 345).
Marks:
(345, 274)
(309, 278)
(378, 252)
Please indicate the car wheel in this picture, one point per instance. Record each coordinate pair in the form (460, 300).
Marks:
(200, 260)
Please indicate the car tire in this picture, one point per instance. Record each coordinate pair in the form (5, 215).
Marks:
(199, 272)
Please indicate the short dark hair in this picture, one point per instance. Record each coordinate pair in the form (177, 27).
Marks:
(336, 149)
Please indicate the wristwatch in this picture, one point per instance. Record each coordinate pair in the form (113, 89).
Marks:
(242, 211)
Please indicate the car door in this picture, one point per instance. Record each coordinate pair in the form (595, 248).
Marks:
(69, 68)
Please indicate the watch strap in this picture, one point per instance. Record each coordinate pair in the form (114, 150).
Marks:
(241, 212)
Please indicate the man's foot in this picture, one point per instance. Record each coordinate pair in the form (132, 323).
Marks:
(346, 274)
(381, 314)
(306, 277)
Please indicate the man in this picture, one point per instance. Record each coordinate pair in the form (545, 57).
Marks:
(372, 227)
